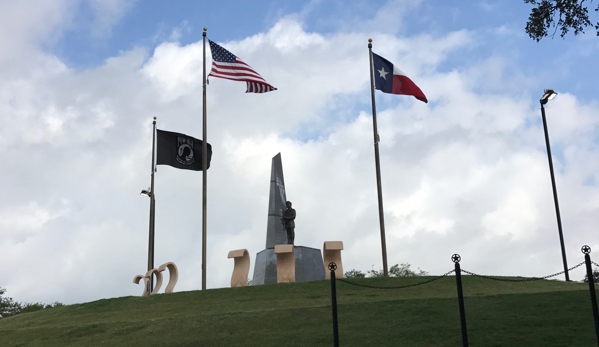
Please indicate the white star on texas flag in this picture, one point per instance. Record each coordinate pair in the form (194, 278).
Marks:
(383, 73)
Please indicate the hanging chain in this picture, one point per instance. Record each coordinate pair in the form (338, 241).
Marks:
(395, 287)
(465, 271)
(522, 279)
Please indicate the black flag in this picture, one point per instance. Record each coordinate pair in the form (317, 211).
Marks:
(180, 151)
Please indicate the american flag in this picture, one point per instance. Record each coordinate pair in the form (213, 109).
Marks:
(226, 65)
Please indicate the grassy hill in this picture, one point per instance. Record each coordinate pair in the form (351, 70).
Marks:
(541, 313)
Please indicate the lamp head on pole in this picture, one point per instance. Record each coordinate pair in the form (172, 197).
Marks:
(147, 192)
(549, 94)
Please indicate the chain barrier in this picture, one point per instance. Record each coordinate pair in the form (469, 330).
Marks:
(531, 279)
(522, 279)
(395, 287)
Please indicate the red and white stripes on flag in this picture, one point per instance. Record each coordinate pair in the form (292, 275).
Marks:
(226, 65)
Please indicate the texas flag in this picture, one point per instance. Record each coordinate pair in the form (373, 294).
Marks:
(390, 79)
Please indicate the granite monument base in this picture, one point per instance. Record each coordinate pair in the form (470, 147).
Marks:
(309, 265)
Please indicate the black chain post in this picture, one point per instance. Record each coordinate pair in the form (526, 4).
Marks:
(332, 268)
(586, 250)
(458, 278)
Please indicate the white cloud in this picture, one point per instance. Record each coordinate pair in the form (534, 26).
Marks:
(25, 23)
(20, 222)
(175, 70)
(177, 32)
(106, 14)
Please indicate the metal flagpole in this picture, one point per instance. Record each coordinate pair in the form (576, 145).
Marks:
(556, 203)
(378, 164)
(152, 209)
(204, 170)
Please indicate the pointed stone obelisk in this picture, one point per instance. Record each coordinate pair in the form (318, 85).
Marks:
(308, 261)
(275, 230)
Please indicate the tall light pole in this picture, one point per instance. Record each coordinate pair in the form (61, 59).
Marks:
(548, 95)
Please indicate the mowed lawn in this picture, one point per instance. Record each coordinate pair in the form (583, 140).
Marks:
(540, 313)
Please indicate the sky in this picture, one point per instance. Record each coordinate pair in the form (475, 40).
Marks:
(467, 173)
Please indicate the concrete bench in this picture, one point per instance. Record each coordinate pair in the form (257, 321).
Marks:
(285, 263)
(331, 252)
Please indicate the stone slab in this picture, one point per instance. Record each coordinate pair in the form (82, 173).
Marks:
(309, 265)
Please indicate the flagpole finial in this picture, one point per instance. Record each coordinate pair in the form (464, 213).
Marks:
(155, 117)
(370, 40)
(205, 29)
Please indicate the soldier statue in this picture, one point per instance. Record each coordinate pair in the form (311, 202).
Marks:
(289, 223)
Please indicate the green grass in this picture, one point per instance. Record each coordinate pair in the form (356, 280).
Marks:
(541, 313)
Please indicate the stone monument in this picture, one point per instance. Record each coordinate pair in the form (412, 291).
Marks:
(308, 261)
(241, 268)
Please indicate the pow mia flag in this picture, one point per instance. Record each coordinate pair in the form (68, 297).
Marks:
(180, 151)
